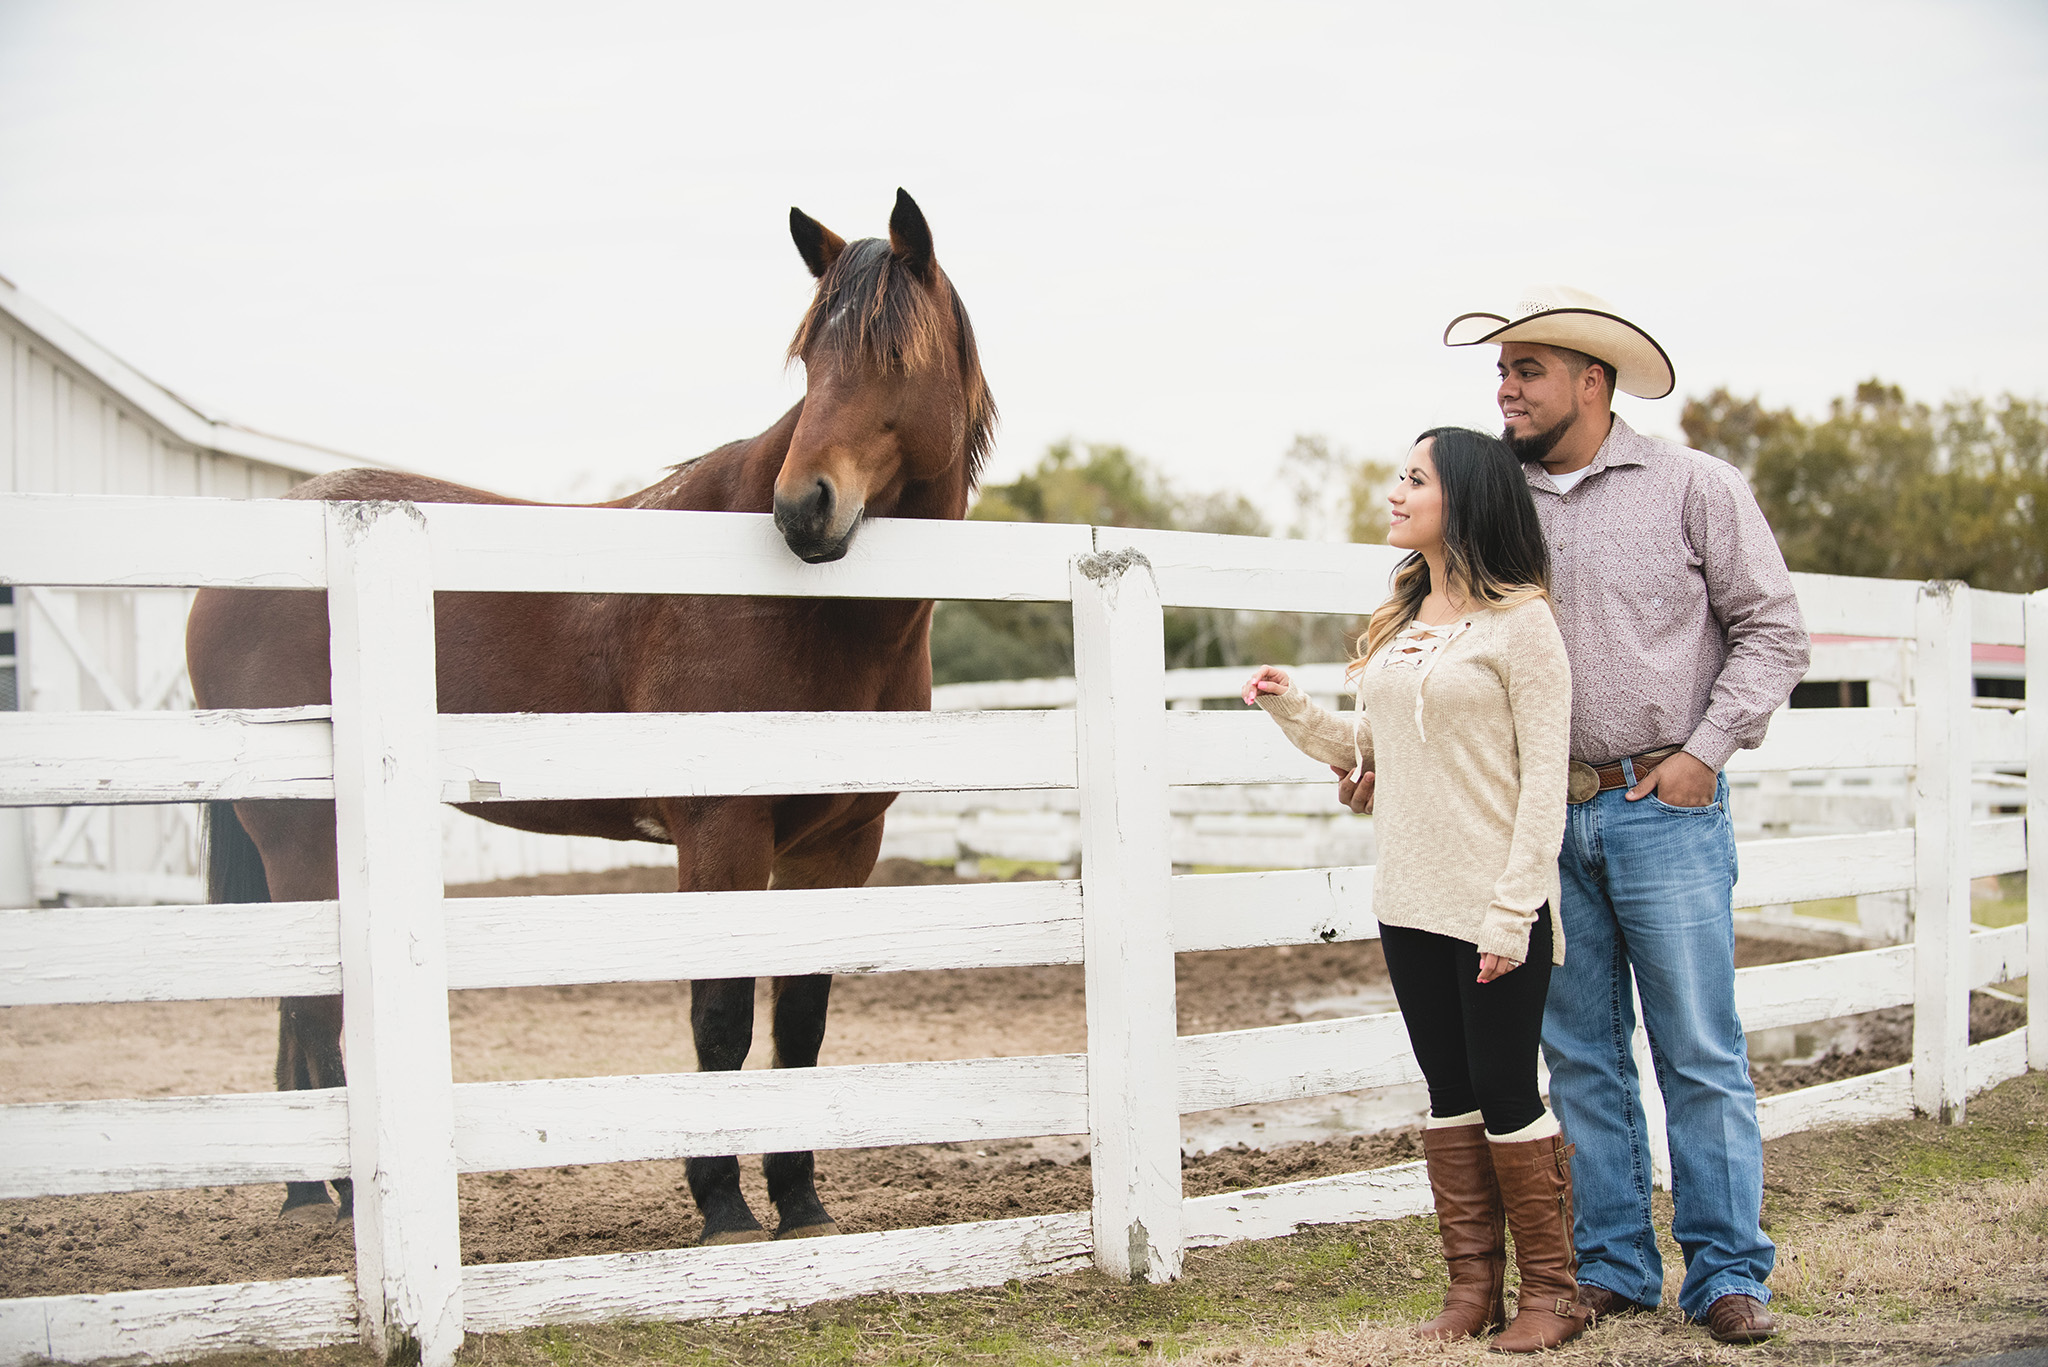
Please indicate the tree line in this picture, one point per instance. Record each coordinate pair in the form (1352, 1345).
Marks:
(1881, 486)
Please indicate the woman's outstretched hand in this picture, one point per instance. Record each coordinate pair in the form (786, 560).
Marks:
(1493, 966)
(1267, 680)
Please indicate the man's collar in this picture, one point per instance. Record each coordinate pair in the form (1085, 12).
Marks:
(1621, 447)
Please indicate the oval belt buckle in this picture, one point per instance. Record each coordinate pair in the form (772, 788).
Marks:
(1583, 785)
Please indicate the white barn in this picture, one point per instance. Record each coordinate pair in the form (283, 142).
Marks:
(76, 419)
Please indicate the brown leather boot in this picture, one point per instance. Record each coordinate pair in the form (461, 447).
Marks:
(1473, 1229)
(1535, 1179)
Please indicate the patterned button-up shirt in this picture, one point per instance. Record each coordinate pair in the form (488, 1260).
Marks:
(1673, 598)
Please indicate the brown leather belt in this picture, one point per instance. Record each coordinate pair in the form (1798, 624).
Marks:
(1588, 781)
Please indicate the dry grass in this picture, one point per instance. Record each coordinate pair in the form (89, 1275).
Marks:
(1902, 1243)
(1909, 1256)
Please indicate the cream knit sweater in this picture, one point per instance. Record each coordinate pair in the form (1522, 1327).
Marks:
(1471, 818)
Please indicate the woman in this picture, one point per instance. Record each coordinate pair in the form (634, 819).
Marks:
(1464, 710)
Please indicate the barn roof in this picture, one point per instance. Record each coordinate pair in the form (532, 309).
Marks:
(182, 419)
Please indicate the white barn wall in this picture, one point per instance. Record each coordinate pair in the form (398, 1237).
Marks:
(74, 419)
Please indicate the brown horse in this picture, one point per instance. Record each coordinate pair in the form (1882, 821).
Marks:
(894, 422)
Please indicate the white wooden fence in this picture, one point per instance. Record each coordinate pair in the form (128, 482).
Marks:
(393, 947)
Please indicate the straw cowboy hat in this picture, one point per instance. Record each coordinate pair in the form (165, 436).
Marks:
(1558, 315)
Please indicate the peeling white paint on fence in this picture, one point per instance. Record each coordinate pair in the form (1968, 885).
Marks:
(1129, 774)
(68, 1148)
(556, 1121)
(1391, 1193)
(179, 1322)
(742, 1279)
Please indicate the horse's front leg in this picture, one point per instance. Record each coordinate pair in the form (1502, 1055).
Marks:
(722, 845)
(792, 1177)
(840, 860)
(722, 1021)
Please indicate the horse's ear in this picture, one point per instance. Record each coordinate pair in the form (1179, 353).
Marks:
(909, 236)
(819, 245)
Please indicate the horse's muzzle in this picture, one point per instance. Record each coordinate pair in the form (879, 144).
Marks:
(813, 525)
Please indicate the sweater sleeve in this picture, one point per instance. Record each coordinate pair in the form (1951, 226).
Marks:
(1539, 689)
(1318, 732)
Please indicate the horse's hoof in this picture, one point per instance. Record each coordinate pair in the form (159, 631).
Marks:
(734, 1236)
(817, 1231)
(317, 1213)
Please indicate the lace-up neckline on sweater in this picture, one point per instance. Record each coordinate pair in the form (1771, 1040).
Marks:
(1419, 645)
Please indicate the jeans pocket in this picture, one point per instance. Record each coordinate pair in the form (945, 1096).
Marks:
(1713, 805)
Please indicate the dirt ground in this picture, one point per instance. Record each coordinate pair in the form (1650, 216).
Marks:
(57, 1246)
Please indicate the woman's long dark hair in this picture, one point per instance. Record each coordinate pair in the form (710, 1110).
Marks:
(1493, 542)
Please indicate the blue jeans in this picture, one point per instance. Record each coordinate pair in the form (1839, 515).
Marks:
(1647, 885)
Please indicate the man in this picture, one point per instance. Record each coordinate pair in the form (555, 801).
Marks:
(1678, 616)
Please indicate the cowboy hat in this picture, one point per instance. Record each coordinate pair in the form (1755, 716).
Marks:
(1558, 315)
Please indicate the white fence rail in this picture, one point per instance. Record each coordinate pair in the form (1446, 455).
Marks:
(393, 946)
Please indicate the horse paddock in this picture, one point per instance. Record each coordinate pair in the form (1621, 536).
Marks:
(103, 1243)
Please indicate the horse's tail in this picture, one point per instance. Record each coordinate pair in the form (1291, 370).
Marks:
(234, 870)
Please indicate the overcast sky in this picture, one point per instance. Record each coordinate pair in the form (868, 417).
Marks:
(543, 248)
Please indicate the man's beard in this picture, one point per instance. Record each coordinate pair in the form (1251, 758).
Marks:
(1537, 446)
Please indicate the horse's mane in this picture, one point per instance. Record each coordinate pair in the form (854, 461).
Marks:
(871, 306)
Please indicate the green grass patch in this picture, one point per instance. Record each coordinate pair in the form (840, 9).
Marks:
(2008, 908)
(1830, 909)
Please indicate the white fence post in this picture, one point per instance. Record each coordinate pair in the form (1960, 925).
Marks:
(2037, 830)
(1942, 689)
(394, 970)
(1126, 865)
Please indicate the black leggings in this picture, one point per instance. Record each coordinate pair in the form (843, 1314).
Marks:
(1476, 1041)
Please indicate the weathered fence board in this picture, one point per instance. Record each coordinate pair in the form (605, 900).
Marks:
(1842, 605)
(1998, 956)
(1809, 867)
(121, 542)
(69, 1148)
(1832, 738)
(157, 954)
(621, 550)
(48, 758)
(1886, 1095)
(179, 1322)
(273, 543)
(487, 758)
(549, 1123)
(1287, 907)
(1998, 618)
(1281, 1062)
(1997, 846)
(671, 936)
(1996, 735)
(1273, 1212)
(1245, 747)
(1995, 1060)
(1771, 995)
(745, 1279)
(1198, 569)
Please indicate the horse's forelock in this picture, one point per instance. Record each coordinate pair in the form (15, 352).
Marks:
(871, 306)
